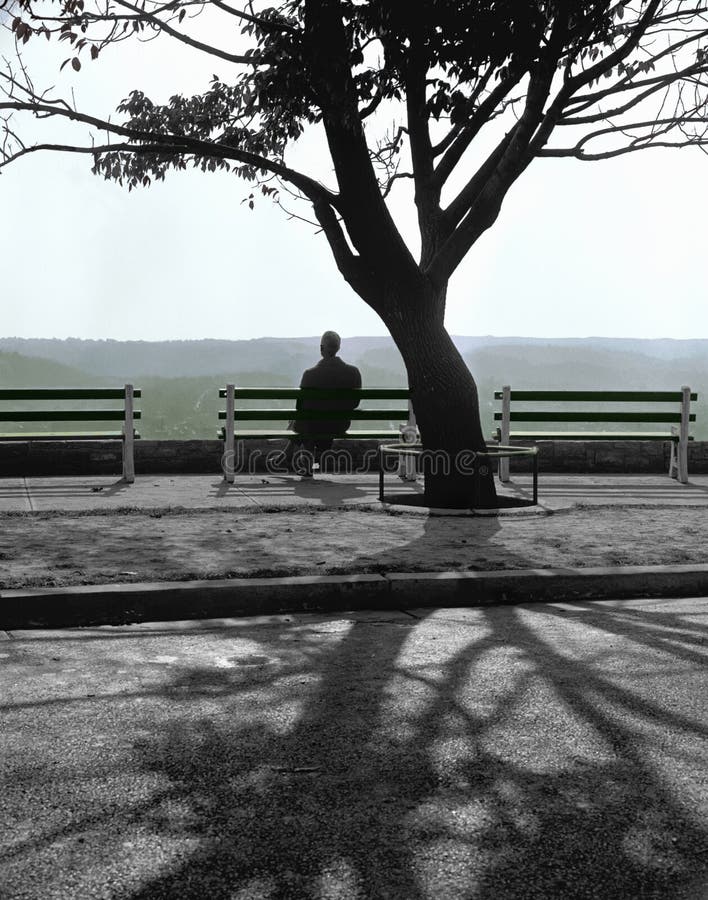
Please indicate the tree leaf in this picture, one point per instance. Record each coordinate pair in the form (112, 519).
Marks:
(75, 64)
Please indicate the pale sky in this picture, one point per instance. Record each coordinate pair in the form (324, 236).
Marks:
(612, 248)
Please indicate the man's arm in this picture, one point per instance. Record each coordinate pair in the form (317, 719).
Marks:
(356, 385)
(304, 382)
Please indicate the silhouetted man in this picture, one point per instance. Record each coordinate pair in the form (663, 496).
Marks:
(330, 373)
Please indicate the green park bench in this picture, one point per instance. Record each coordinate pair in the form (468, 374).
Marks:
(238, 418)
(599, 407)
(19, 405)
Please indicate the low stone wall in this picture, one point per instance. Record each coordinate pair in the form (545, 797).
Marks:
(585, 457)
(163, 457)
(105, 457)
(204, 457)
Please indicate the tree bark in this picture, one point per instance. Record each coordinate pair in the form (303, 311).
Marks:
(446, 404)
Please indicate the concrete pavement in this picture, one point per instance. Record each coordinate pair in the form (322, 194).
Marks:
(551, 750)
(102, 493)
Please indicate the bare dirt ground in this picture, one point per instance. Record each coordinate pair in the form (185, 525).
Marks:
(44, 549)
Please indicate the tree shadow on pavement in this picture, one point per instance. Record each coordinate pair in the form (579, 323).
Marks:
(549, 750)
(501, 752)
(618, 747)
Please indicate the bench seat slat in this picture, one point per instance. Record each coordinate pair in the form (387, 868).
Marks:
(313, 415)
(593, 436)
(291, 435)
(545, 416)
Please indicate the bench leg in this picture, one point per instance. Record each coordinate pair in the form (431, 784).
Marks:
(682, 452)
(128, 460)
(228, 461)
(503, 431)
(128, 437)
(678, 463)
(407, 465)
(673, 461)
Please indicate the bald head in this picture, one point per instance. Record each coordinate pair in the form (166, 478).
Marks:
(330, 343)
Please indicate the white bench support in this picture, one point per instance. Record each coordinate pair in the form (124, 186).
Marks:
(129, 437)
(504, 431)
(407, 463)
(678, 465)
(228, 462)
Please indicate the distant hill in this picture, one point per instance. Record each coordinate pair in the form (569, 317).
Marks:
(17, 370)
(289, 356)
(180, 379)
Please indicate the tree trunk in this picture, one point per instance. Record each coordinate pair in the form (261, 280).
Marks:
(446, 405)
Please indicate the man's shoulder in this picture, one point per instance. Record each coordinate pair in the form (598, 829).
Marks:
(333, 368)
(352, 372)
(316, 376)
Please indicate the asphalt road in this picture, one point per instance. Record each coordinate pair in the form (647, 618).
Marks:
(547, 750)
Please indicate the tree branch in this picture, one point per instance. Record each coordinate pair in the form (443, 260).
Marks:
(395, 177)
(351, 266)
(156, 22)
(626, 84)
(477, 205)
(427, 191)
(617, 56)
(469, 131)
(369, 223)
(152, 142)
(639, 142)
(265, 24)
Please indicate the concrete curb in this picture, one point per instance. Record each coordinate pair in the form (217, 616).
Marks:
(114, 604)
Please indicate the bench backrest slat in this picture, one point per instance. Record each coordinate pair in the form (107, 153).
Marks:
(597, 396)
(64, 415)
(266, 415)
(65, 393)
(318, 394)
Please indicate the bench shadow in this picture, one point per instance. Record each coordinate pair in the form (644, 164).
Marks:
(661, 487)
(118, 487)
(52, 487)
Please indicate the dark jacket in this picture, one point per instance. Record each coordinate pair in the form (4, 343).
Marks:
(329, 373)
